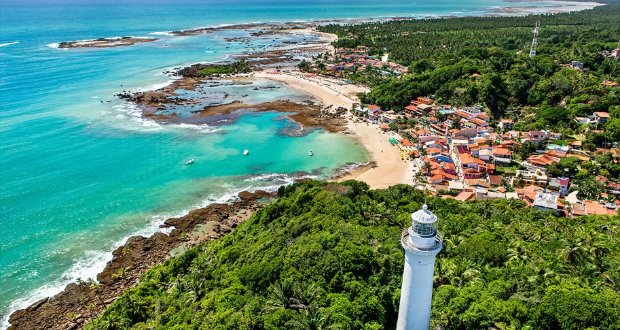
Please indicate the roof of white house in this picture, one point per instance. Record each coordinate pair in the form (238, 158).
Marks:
(546, 200)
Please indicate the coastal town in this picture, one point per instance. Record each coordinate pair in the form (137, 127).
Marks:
(479, 161)
(462, 153)
(229, 167)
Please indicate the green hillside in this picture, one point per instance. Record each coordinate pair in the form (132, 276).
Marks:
(327, 256)
(485, 60)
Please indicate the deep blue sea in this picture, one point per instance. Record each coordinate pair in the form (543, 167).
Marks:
(80, 171)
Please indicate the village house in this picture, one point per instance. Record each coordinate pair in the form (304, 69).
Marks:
(502, 155)
(546, 201)
(536, 136)
(538, 178)
(505, 124)
(600, 118)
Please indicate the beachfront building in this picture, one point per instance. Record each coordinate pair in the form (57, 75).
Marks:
(421, 242)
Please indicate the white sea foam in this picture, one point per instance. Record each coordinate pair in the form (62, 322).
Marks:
(53, 45)
(162, 33)
(132, 112)
(155, 86)
(202, 128)
(95, 261)
(9, 43)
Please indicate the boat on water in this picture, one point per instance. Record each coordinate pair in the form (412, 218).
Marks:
(189, 162)
(246, 152)
(310, 153)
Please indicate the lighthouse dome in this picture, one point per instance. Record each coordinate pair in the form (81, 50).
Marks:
(423, 216)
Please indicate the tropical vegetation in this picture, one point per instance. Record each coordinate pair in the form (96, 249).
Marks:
(328, 256)
(485, 60)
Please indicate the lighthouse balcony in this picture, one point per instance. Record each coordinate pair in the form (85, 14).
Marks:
(416, 242)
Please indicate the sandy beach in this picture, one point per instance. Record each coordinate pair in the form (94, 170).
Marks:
(389, 169)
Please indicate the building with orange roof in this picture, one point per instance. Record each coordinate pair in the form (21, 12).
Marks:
(594, 208)
(464, 196)
(505, 124)
(374, 107)
(467, 160)
(436, 179)
(495, 180)
(500, 152)
(425, 100)
(462, 114)
(530, 192)
(477, 183)
(600, 117)
(478, 122)
(541, 161)
(483, 116)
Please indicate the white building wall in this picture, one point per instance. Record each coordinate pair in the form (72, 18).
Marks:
(416, 291)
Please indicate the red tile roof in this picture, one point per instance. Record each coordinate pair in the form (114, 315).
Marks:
(602, 114)
(501, 151)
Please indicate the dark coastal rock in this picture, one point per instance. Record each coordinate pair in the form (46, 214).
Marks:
(104, 42)
(81, 302)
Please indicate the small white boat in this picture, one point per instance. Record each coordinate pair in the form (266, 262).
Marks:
(246, 152)
(189, 162)
(310, 153)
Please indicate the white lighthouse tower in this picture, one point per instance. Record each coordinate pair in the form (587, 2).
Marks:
(421, 242)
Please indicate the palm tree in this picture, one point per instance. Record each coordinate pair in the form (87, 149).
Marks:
(282, 295)
(312, 318)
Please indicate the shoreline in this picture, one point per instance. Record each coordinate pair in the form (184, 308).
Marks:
(378, 174)
(550, 7)
(386, 167)
(81, 302)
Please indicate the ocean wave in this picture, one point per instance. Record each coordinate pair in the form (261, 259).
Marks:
(53, 45)
(155, 86)
(9, 43)
(348, 168)
(129, 111)
(94, 262)
(162, 33)
(132, 112)
(85, 269)
(271, 182)
(204, 129)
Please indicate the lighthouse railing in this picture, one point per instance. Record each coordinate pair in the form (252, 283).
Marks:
(404, 239)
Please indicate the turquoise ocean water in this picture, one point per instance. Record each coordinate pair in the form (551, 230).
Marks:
(79, 174)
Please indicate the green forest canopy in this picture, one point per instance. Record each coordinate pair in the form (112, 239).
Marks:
(327, 255)
(443, 53)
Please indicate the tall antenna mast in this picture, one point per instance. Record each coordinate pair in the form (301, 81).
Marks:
(535, 39)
